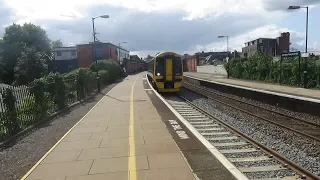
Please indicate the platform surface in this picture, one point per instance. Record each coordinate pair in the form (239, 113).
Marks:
(299, 92)
(121, 138)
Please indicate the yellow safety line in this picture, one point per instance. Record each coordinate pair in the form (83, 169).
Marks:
(132, 175)
(44, 156)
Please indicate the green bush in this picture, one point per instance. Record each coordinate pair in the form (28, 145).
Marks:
(56, 87)
(104, 76)
(41, 106)
(260, 67)
(111, 66)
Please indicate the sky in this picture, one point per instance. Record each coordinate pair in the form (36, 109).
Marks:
(183, 26)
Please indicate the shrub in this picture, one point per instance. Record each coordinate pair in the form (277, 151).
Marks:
(109, 65)
(40, 97)
(104, 76)
(263, 68)
(56, 87)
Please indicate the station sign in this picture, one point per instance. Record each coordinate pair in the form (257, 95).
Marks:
(291, 54)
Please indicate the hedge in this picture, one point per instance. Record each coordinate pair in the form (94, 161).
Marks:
(22, 106)
(259, 67)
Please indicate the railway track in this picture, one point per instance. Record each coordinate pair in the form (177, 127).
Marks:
(253, 159)
(303, 127)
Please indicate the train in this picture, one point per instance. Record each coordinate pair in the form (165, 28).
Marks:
(165, 72)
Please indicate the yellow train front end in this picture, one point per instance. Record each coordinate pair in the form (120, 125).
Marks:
(166, 70)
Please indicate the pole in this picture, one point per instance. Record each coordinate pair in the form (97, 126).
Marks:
(306, 59)
(227, 43)
(307, 29)
(228, 56)
(119, 53)
(94, 55)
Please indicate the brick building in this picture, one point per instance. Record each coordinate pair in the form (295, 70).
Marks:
(191, 63)
(102, 51)
(135, 64)
(268, 46)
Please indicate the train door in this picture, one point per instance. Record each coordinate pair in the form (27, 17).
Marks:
(169, 70)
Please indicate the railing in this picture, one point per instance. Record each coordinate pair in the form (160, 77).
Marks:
(23, 106)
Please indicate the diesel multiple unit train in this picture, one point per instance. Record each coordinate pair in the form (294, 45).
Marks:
(165, 71)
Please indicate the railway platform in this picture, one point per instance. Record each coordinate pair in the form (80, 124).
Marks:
(128, 135)
(291, 92)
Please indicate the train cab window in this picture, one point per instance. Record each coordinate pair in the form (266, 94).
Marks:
(160, 66)
(178, 67)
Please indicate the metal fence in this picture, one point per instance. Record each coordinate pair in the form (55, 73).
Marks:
(19, 106)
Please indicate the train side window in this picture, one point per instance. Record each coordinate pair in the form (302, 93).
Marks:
(178, 66)
(160, 66)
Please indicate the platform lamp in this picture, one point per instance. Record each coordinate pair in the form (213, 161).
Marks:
(227, 50)
(306, 48)
(94, 47)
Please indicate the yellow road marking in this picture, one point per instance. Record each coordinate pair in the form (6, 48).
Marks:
(132, 151)
(44, 156)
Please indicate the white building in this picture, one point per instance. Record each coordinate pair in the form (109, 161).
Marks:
(66, 59)
(122, 54)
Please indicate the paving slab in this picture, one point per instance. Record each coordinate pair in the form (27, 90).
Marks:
(62, 169)
(105, 176)
(101, 153)
(110, 142)
(165, 174)
(118, 164)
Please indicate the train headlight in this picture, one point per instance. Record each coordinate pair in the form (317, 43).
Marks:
(158, 74)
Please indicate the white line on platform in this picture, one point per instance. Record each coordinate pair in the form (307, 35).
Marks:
(214, 151)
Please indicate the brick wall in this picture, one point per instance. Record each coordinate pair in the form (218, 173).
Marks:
(85, 56)
(192, 64)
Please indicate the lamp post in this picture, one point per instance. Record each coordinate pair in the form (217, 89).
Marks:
(306, 48)
(94, 46)
(120, 49)
(227, 41)
(227, 51)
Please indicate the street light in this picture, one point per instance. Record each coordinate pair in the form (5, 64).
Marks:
(299, 7)
(227, 52)
(306, 50)
(94, 46)
(227, 41)
(120, 48)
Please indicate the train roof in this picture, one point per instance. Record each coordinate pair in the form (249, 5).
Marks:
(164, 53)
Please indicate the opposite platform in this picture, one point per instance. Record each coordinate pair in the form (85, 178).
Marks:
(291, 92)
(122, 137)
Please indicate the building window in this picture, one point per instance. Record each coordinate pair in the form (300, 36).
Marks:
(58, 53)
(73, 53)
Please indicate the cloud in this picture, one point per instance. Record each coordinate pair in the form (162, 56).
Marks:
(237, 42)
(147, 31)
(282, 5)
(150, 26)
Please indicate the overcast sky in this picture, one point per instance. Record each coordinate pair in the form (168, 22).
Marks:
(183, 26)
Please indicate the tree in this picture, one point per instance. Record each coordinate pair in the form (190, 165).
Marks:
(16, 39)
(56, 43)
(31, 65)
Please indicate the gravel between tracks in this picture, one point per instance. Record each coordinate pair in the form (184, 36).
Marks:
(300, 150)
(17, 158)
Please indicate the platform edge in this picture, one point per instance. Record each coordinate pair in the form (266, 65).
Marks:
(214, 151)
